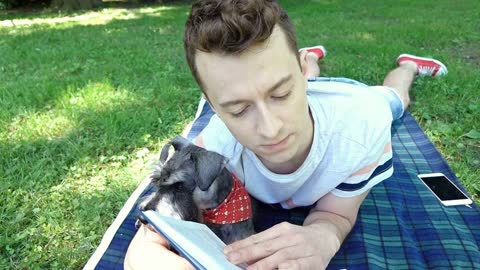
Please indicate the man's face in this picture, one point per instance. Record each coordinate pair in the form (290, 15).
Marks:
(260, 95)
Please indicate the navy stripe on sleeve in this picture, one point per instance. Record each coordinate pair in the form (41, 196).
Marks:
(379, 170)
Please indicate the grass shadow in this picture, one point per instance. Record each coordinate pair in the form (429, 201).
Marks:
(66, 180)
(48, 63)
(119, 88)
(42, 10)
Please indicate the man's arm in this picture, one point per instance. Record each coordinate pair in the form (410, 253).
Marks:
(311, 246)
(340, 212)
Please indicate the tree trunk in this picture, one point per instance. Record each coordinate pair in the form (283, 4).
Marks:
(75, 4)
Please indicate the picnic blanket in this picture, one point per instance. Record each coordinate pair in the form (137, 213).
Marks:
(401, 225)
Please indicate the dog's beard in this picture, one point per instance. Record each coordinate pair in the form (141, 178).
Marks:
(173, 201)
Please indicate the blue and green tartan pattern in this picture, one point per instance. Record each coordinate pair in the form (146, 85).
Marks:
(401, 225)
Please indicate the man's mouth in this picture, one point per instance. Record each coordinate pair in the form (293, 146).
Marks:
(276, 146)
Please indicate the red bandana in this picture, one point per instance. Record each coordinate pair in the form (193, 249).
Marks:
(235, 208)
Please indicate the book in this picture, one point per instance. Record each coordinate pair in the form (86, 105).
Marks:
(194, 241)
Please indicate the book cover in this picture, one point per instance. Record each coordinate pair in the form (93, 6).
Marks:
(194, 241)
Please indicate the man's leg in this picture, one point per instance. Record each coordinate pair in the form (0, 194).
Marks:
(400, 79)
(312, 55)
(409, 66)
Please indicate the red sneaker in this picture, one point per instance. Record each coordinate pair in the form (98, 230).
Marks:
(319, 50)
(425, 66)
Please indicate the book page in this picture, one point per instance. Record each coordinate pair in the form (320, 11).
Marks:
(195, 241)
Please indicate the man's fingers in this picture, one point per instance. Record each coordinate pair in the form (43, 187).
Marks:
(274, 260)
(296, 256)
(146, 253)
(301, 264)
(274, 232)
(269, 248)
(150, 235)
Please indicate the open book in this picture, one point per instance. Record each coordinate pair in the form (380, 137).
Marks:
(194, 241)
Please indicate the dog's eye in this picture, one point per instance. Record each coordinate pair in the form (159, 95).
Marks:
(164, 175)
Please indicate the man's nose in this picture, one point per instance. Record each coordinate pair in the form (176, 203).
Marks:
(268, 124)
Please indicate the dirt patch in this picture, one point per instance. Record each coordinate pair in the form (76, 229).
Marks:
(468, 51)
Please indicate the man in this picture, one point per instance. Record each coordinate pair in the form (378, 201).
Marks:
(292, 140)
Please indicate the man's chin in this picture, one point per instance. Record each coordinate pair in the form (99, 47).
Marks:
(278, 162)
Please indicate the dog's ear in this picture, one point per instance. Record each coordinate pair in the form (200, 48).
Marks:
(164, 153)
(178, 143)
(208, 166)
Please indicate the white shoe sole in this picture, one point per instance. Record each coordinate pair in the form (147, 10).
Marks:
(426, 59)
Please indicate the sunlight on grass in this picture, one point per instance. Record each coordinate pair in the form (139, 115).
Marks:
(97, 96)
(34, 125)
(101, 17)
(89, 178)
(59, 121)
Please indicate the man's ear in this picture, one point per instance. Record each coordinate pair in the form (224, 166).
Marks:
(208, 166)
(303, 63)
(205, 97)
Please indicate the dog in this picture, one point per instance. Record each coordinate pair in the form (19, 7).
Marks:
(195, 185)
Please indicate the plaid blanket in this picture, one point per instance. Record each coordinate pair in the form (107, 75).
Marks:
(401, 225)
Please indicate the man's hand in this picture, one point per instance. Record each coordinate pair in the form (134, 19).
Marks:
(149, 250)
(287, 246)
(311, 246)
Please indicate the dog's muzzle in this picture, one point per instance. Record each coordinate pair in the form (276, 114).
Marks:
(237, 207)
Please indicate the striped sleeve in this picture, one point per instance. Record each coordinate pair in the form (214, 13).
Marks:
(370, 162)
(368, 175)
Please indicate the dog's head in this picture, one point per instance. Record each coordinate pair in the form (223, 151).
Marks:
(193, 179)
(191, 165)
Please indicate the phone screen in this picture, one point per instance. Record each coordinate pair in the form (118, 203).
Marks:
(443, 188)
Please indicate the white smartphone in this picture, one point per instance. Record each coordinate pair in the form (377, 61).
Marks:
(444, 189)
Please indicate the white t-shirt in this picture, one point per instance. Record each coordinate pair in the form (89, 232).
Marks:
(350, 153)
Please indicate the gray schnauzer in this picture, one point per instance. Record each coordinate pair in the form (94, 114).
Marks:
(195, 185)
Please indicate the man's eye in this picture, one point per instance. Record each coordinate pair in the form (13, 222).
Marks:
(280, 97)
(239, 113)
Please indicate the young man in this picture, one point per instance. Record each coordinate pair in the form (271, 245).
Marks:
(292, 140)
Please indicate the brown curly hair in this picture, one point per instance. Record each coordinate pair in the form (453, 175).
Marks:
(232, 26)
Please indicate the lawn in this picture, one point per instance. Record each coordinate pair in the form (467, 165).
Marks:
(88, 99)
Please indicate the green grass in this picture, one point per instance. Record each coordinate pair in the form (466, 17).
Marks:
(88, 99)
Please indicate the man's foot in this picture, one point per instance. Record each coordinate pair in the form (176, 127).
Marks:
(317, 51)
(425, 66)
